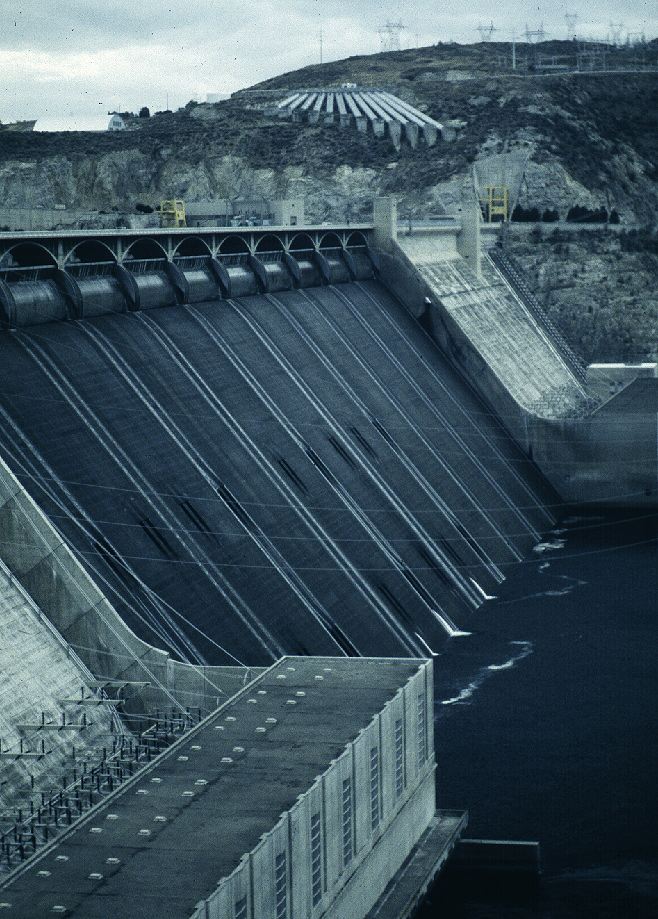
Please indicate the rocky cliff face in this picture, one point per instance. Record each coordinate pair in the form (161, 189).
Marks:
(598, 286)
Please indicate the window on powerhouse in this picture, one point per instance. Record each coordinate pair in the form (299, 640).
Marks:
(375, 809)
(281, 885)
(399, 758)
(316, 859)
(348, 822)
(422, 729)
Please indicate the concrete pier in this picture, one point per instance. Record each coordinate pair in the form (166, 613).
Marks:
(382, 111)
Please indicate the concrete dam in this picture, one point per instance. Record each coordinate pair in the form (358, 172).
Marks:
(251, 447)
(235, 465)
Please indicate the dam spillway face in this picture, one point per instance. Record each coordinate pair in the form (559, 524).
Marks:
(365, 109)
(256, 449)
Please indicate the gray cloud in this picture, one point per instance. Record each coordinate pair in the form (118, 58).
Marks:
(69, 61)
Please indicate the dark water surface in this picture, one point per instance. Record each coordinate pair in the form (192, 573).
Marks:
(559, 742)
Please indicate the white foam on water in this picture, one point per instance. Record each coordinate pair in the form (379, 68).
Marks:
(549, 544)
(425, 645)
(481, 591)
(449, 626)
(464, 695)
(506, 666)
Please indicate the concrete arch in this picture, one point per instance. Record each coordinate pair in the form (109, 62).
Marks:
(89, 250)
(191, 246)
(269, 243)
(330, 241)
(28, 255)
(301, 242)
(146, 248)
(356, 239)
(234, 245)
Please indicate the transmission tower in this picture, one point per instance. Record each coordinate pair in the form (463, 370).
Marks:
(535, 35)
(486, 32)
(616, 28)
(389, 35)
(571, 20)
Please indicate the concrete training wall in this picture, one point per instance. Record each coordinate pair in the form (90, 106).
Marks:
(606, 458)
(48, 571)
(38, 671)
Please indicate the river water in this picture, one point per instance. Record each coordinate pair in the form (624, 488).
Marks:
(546, 725)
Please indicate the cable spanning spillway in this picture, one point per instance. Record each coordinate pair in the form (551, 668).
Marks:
(299, 471)
(383, 112)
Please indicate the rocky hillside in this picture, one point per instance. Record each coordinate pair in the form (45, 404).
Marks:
(599, 287)
(593, 141)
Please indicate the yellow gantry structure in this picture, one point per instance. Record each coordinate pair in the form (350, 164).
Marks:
(172, 213)
(497, 203)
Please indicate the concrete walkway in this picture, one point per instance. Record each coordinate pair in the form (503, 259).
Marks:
(403, 895)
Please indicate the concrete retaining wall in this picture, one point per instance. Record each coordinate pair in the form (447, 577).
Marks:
(38, 672)
(45, 567)
(609, 458)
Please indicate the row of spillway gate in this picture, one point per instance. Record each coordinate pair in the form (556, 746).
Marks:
(93, 280)
(382, 111)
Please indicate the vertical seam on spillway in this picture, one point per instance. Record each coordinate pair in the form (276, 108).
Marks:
(158, 411)
(382, 485)
(345, 564)
(427, 487)
(534, 532)
(136, 476)
(312, 604)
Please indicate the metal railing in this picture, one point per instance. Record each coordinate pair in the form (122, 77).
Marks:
(513, 274)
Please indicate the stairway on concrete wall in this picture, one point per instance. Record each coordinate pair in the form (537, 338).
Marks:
(37, 672)
(505, 333)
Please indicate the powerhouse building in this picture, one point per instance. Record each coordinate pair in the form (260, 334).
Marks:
(299, 798)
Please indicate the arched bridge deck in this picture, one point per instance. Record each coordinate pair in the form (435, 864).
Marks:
(77, 274)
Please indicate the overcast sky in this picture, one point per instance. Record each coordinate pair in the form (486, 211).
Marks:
(67, 62)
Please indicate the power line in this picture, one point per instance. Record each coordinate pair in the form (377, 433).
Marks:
(349, 539)
(163, 494)
(325, 568)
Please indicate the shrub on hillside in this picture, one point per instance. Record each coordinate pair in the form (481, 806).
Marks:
(526, 215)
(580, 214)
(639, 241)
